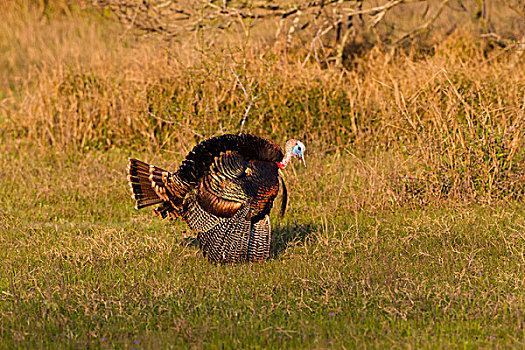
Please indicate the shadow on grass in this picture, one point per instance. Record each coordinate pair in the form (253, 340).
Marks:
(190, 241)
(282, 235)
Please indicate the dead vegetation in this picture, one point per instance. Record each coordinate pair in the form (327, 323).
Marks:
(427, 123)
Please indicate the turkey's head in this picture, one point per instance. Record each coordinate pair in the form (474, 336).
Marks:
(293, 149)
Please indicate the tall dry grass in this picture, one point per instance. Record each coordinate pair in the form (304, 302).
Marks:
(441, 123)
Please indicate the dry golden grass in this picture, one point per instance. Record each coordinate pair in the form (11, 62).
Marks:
(448, 123)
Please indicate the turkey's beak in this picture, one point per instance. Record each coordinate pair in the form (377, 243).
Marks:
(302, 157)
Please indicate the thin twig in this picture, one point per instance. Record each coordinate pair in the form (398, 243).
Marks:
(250, 104)
(245, 116)
(249, 97)
(177, 123)
(239, 82)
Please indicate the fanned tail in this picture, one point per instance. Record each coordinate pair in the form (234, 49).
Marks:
(148, 186)
(142, 188)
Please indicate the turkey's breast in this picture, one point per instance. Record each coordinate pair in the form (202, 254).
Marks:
(262, 183)
(233, 181)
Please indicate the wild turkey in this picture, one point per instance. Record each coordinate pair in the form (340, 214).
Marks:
(224, 190)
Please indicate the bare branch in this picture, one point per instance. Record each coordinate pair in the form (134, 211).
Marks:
(323, 27)
(425, 26)
(239, 82)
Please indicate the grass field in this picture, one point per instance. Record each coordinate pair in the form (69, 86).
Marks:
(407, 229)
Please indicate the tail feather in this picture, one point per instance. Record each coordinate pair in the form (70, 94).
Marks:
(165, 210)
(143, 203)
(152, 185)
(143, 189)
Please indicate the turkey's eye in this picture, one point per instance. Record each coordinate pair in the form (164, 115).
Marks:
(300, 147)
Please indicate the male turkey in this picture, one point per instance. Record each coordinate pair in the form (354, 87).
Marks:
(224, 190)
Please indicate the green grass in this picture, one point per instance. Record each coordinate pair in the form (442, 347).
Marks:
(81, 268)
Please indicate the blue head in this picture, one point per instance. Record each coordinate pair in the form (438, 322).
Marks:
(298, 151)
(293, 149)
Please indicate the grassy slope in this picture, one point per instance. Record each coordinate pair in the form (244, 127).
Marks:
(81, 267)
(357, 261)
